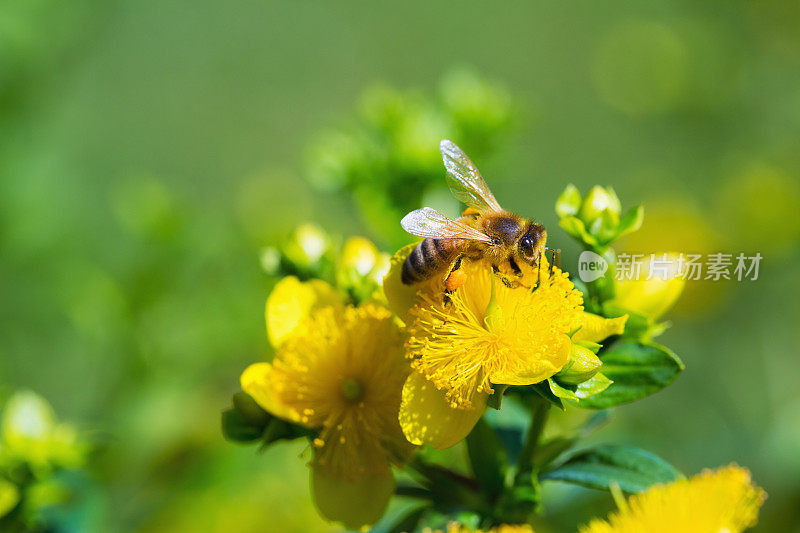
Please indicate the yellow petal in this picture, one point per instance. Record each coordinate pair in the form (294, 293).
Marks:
(292, 300)
(400, 296)
(539, 368)
(255, 381)
(356, 504)
(596, 328)
(652, 297)
(427, 418)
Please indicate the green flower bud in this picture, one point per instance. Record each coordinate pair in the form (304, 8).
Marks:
(250, 411)
(307, 245)
(569, 202)
(270, 260)
(598, 203)
(359, 255)
(236, 429)
(583, 364)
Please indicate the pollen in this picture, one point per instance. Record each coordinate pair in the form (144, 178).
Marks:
(342, 372)
(486, 333)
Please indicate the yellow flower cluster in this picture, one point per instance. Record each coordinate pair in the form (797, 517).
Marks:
(371, 383)
(483, 334)
(725, 500)
(463, 344)
(338, 370)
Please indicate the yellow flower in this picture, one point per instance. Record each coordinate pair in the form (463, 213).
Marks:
(292, 300)
(654, 296)
(595, 328)
(721, 501)
(461, 345)
(341, 371)
(454, 527)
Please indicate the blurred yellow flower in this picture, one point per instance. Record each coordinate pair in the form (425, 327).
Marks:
(292, 300)
(484, 333)
(725, 500)
(675, 223)
(655, 288)
(341, 371)
(758, 207)
(30, 432)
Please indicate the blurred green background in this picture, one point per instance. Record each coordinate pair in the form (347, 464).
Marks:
(150, 150)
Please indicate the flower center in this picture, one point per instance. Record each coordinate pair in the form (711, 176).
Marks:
(352, 390)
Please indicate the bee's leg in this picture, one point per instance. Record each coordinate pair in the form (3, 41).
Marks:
(507, 282)
(455, 278)
(556, 258)
(515, 267)
(539, 271)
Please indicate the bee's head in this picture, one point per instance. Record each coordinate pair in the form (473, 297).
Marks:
(532, 243)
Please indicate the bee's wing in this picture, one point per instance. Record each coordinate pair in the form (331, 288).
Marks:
(465, 182)
(427, 222)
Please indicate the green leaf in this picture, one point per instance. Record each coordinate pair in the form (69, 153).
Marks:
(487, 456)
(549, 450)
(593, 346)
(278, 429)
(561, 392)
(407, 520)
(609, 227)
(593, 386)
(569, 202)
(236, 429)
(250, 410)
(596, 421)
(633, 469)
(577, 393)
(637, 370)
(638, 326)
(543, 389)
(630, 222)
(577, 230)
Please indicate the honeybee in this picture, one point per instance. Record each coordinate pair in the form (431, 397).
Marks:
(513, 245)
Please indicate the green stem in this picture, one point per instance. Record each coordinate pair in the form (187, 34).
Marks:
(413, 492)
(436, 473)
(604, 288)
(539, 412)
(448, 487)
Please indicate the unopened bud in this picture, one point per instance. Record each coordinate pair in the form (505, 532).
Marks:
(599, 201)
(569, 202)
(583, 364)
(307, 245)
(250, 411)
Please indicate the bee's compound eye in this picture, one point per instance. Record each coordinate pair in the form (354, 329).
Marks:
(526, 245)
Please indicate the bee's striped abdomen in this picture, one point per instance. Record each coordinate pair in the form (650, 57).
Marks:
(428, 258)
